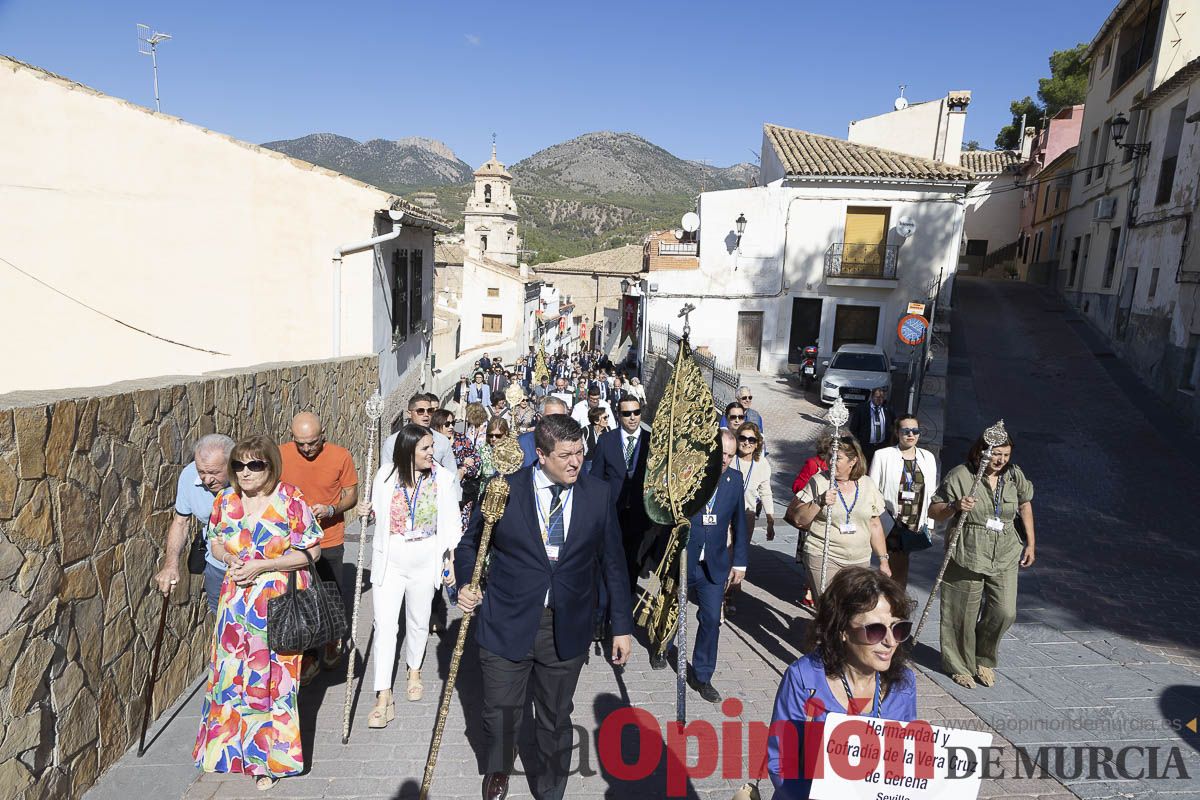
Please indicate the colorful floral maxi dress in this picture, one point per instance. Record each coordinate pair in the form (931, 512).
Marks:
(249, 721)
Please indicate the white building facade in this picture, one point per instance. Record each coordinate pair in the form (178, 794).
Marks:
(823, 256)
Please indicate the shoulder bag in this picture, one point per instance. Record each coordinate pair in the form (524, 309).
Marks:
(304, 619)
(196, 554)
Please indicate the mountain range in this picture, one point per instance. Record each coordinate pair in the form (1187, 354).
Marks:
(595, 191)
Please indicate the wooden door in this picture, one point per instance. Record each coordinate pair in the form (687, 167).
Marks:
(749, 339)
(865, 240)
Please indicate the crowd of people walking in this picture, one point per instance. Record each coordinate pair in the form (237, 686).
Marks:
(568, 557)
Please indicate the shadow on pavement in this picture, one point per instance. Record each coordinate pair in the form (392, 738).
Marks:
(634, 761)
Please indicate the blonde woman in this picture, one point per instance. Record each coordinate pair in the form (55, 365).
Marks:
(756, 476)
(851, 505)
(906, 476)
(418, 525)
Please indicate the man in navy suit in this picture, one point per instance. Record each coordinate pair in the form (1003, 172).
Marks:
(557, 540)
(620, 461)
(711, 568)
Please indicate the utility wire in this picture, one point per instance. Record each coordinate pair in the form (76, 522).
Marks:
(107, 316)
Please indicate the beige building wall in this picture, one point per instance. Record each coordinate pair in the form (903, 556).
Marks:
(932, 129)
(170, 228)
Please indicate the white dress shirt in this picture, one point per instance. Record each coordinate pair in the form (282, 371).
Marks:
(542, 506)
(580, 414)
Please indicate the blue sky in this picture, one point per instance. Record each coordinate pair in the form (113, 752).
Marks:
(697, 78)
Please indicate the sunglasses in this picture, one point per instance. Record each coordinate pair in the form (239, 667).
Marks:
(748, 439)
(736, 419)
(877, 631)
(910, 431)
(256, 465)
(448, 423)
(492, 436)
(628, 414)
(746, 397)
(423, 410)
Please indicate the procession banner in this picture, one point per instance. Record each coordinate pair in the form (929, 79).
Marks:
(867, 759)
(629, 309)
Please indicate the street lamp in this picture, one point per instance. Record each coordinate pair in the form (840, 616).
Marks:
(1120, 125)
(740, 224)
(625, 285)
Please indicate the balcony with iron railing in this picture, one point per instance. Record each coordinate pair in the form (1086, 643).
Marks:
(677, 248)
(852, 264)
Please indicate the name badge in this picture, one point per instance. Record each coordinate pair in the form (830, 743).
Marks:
(708, 519)
(909, 496)
(552, 552)
(848, 527)
(995, 524)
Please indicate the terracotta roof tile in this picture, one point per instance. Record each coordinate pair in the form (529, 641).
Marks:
(989, 162)
(625, 259)
(806, 155)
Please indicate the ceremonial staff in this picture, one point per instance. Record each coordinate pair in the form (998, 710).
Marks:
(992, 437)
(837, 417)
(374, 410)
(507, 456)
(682, 471)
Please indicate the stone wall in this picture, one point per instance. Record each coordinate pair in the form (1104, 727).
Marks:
(87, 487)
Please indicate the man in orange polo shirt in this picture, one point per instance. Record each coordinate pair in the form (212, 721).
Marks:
(325, 473)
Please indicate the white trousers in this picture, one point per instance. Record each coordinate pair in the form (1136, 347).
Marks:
(409, 581)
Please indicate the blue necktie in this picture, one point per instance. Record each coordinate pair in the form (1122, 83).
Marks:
(556, 530)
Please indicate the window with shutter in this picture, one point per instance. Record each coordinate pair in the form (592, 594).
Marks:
(399, 296)
(416, 303)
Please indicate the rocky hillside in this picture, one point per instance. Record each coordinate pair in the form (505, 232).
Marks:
(590, 193)
(397, 166)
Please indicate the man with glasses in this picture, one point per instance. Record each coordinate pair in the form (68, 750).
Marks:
(871, 423)
(325, 473)
(420, 412)
(198, 486)
(620, 461)
(744, 398)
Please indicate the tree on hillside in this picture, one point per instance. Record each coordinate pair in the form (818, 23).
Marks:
(1066, 86)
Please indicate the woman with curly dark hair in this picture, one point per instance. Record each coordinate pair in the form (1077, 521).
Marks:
(854, 665)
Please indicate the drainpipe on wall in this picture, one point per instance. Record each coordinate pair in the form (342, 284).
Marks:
(397, 218)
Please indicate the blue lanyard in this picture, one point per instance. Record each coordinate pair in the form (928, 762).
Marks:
(876, 709)
(843, 499)
(712, 502)
(749, 472)
(998, 498)
(544, 519)
(412, 503)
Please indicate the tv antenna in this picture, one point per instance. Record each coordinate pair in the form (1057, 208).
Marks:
(148, 42)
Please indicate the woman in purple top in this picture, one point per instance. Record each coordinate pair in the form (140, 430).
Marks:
(854, 666)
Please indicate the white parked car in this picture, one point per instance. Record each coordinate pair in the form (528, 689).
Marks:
(853, 372)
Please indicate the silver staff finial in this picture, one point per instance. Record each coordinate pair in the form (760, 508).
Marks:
(687, 309)
(837, 415)
(374, 407)
(996, 435)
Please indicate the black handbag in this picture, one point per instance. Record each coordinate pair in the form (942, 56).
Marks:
(196, 554)
(300, 620)
(911, 541)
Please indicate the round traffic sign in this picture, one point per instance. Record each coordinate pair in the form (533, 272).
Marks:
(912, 329)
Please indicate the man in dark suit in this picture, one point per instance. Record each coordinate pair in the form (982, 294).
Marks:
(711, 567)
(557, 540)
(497, 382)
(620, 461)
(485, 363)
(871, 423)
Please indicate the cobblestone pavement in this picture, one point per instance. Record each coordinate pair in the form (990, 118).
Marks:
(1104, 652)
(756, 646)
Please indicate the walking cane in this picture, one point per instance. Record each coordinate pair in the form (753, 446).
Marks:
(508, 457)
(158, 637)
(374, 409)
(992, 437)
(837, 417)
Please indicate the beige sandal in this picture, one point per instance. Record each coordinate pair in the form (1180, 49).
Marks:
(963, 680)
(384, 711)
(265, 782)
(986, 676)
(415, 690)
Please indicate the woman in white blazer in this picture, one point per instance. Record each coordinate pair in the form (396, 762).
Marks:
(417, 527)
(906, 476)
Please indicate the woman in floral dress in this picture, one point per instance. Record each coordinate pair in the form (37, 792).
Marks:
(249, 722)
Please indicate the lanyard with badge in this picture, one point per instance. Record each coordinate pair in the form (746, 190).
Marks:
(995, 523)
(710, 518)
(848, 526)
(908, 471)
(544, 518)
(410, 531)
(749, 472)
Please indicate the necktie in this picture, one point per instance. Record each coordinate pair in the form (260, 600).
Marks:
(556, 530)
(877, 424)
(630, 446)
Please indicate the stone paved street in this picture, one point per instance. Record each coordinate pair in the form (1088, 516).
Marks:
(756, 646)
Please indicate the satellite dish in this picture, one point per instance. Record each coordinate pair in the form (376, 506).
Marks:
(906, 227)
(900, 104)
(691, 222)
(678, 234)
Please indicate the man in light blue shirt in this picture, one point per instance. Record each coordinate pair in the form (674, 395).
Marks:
(198, 486)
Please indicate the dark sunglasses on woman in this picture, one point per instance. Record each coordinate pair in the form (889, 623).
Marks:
(253, 466)
(877, 631)
(748, 439)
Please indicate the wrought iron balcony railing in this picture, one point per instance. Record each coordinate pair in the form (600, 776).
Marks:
(850, 260)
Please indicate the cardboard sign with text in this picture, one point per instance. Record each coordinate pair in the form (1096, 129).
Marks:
(877, 759)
